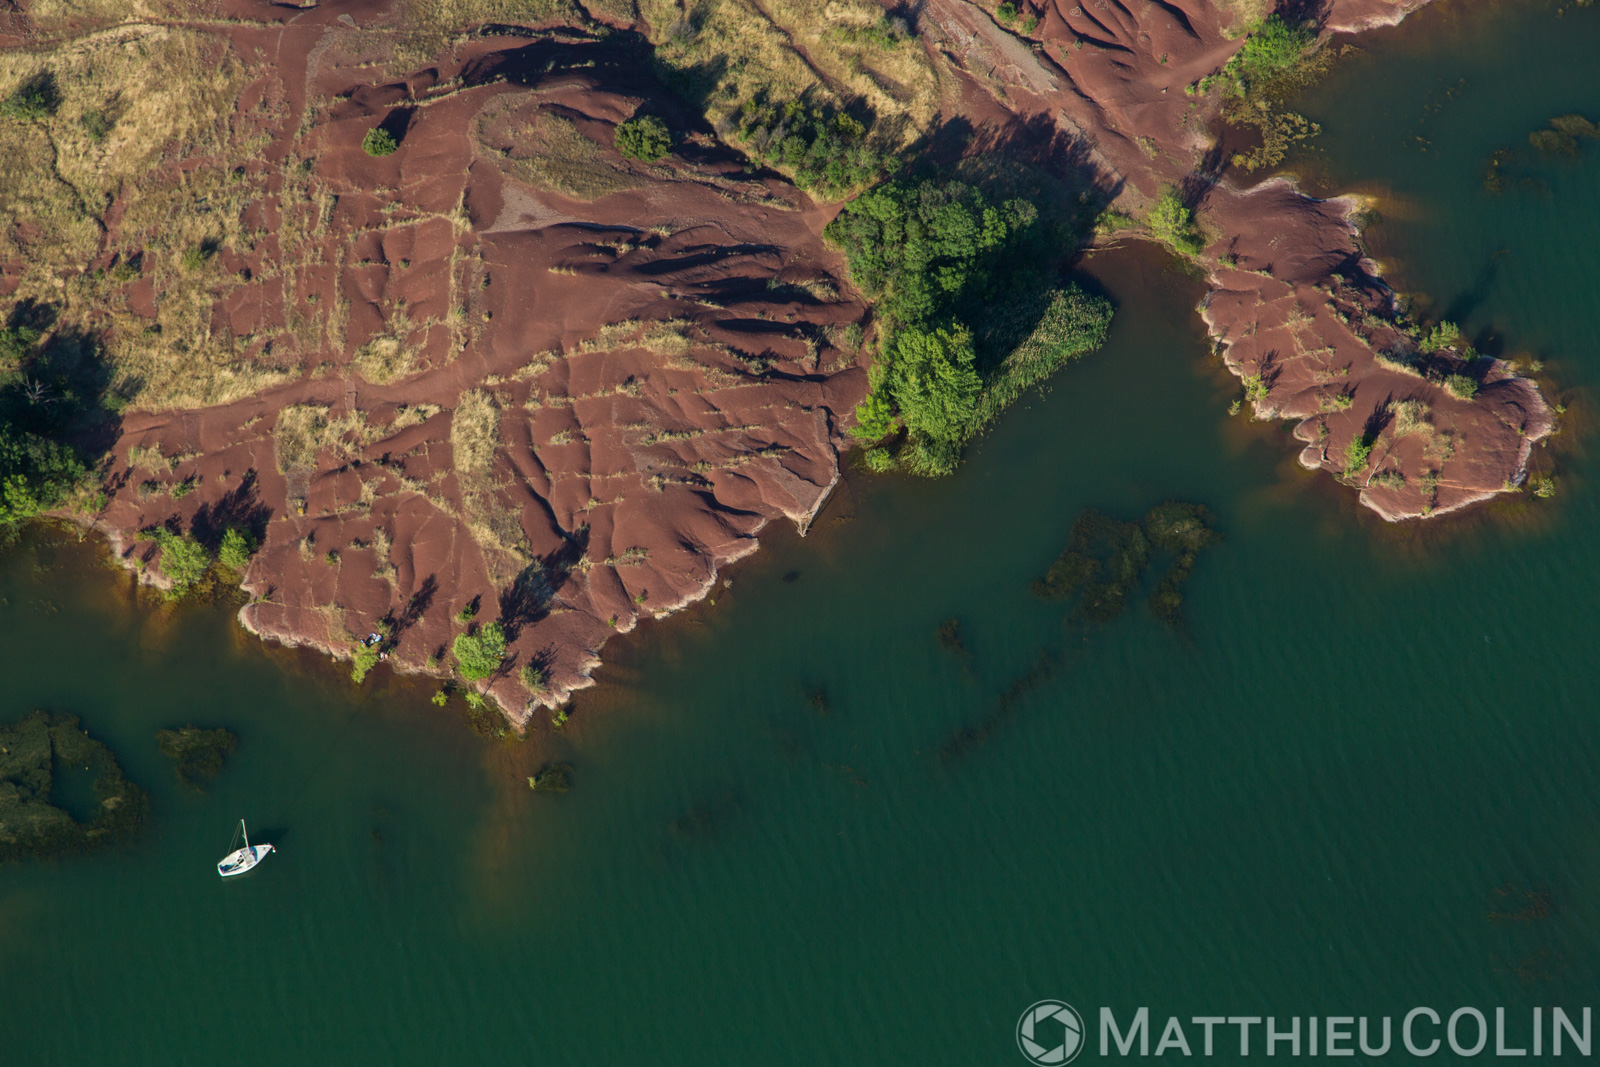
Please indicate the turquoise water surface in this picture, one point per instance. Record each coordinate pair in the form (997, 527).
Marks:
(1363, 778)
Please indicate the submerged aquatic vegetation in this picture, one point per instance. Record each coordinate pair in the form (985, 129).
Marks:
(196, 753)
(950, 637)
(31, 750)
(1105, 559)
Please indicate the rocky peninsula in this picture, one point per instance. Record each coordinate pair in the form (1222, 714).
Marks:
(383, 289)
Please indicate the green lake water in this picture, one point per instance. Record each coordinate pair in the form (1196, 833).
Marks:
(1363, 779)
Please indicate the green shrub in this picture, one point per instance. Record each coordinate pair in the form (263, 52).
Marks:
(379, 142)
(36, 98)
(183, 560)
(1543, 486)
(533, 677)
(236, 549)
(1007, 11)
(196, 256)
(16, 345)
(1389, 479)
(1461, 386)
(1073, 324)
(645, 138)
(1172, 223)
(480, 654)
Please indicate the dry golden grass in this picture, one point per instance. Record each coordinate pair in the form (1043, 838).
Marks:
(497, 529)
(547, 151)
(148, 458)
(1412, 417)
(64, 16)
(432, 26)
(382, 545)
(782, 49)
(1239, 15)
(298, 436)
(154, 94)
(389, 356)
(474, 433)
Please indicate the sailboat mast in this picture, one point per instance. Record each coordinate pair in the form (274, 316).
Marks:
(244, 830)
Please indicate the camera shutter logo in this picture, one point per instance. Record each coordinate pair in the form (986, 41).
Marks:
(1050, 1033)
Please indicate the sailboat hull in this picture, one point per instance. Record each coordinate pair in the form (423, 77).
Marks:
(241, 860)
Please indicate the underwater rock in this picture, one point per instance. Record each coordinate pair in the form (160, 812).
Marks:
(29, 823)
(196, 754)
(553, 779)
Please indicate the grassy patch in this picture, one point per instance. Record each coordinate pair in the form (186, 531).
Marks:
(145, 115)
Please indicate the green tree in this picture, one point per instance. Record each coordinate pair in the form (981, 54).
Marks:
(1172, 223)
(183, 560)
(917, 248)
(875, 417)
(933, 381)
(645, 137)
(236, 549)
(480, 654)
(361, 664)
(1445, 335)
(36, 473)
(533, 677)
(379, 142)
(1356, 454)
(1273, 48)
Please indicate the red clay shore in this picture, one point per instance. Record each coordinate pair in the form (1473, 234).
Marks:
(569, 401)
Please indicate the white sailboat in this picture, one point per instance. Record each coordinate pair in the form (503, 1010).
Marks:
(242, 859)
